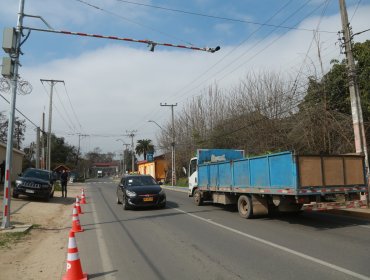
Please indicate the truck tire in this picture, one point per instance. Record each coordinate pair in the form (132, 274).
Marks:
(245, 207)
(198, 199)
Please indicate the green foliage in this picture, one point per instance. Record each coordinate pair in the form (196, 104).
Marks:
(143, 147)
(19, 130)
(182, 182)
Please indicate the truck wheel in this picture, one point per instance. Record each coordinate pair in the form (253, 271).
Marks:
(245, 207)
(198, 199)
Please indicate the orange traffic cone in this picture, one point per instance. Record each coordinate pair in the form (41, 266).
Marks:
(78, 206)
(76, 226)
(83, 200)
(74, 269)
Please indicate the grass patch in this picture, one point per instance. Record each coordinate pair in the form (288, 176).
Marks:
(10, 238)
(182, 182)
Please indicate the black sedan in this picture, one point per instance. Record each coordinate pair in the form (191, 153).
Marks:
(140, 191)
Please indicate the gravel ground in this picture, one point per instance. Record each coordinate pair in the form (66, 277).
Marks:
(41, 254)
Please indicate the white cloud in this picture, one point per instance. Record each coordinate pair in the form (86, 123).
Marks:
(119, 87)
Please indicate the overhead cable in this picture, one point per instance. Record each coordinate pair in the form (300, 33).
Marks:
(218, 17)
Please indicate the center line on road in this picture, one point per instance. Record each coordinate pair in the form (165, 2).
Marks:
(285, 249)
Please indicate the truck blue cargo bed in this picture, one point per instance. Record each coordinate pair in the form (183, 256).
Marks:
(285, 173)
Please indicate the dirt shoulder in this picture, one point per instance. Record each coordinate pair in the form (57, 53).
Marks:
(41, 254)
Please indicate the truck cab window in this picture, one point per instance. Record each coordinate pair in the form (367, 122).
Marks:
(193, 166)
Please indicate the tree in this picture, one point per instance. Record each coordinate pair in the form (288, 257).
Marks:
(143, 147)
(62, 153)
(19, 130)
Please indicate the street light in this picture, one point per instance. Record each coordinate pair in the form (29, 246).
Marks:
(123, 155)
(172, 151)
(156, 124)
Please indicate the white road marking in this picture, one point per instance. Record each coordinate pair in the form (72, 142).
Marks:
(285, 249)
(364, 226)
(103, 251)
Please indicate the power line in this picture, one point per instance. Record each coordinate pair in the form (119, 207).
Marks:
(218, 17)
(223, 58)
(19, 111)
(129, 20)
(72, 107)
(57, 109)
(65, 110)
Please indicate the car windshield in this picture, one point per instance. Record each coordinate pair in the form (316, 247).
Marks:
(141, 181)
(34, 173)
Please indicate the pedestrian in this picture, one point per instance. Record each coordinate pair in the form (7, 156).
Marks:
(2, 170)
(63, 182)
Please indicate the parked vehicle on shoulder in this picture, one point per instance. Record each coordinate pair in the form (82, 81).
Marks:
(35, 182)
(140, 191)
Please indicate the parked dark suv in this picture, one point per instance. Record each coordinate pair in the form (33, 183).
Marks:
(36, 183)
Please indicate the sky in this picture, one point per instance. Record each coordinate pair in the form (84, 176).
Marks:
(113, 87)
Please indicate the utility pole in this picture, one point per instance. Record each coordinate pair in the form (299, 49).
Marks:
(125, 145)
(43, 142)
(79, 144)
(132, 135)
(123, 158)
(14, 54)
(358, 123)
(173, 154)
(52, 83)
(38, 147)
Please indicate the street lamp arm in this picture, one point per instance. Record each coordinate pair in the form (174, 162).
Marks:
(156, 124)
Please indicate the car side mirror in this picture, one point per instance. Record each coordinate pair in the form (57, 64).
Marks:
(160, 183)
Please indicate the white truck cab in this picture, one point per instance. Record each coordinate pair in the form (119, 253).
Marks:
(193, 175)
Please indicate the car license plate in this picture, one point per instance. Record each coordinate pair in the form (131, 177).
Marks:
(147, 199)
(30, 191)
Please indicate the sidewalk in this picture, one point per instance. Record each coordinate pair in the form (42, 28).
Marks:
(362, 213)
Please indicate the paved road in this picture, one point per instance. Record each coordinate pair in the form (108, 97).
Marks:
(184, 241)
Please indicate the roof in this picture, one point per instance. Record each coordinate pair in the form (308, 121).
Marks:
(106, 164)
(62, 167)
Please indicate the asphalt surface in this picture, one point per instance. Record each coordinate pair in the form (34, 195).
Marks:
(184, 241)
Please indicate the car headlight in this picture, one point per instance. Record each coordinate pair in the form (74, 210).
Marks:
(161, 192)
(130, 193)
(18, 182)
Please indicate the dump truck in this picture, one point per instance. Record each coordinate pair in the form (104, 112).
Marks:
(278, 182)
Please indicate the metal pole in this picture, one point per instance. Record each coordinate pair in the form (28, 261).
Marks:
(9, 144)
(173, 153)
(133, 154)
(52, 83)
(49, 125)
(38, 147)
(43, 142)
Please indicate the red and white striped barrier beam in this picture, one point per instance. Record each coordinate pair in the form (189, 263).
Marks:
(150, 43)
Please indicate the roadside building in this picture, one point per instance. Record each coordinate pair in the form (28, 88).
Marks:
(104, 168)
(157, 168)
(17, 160)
